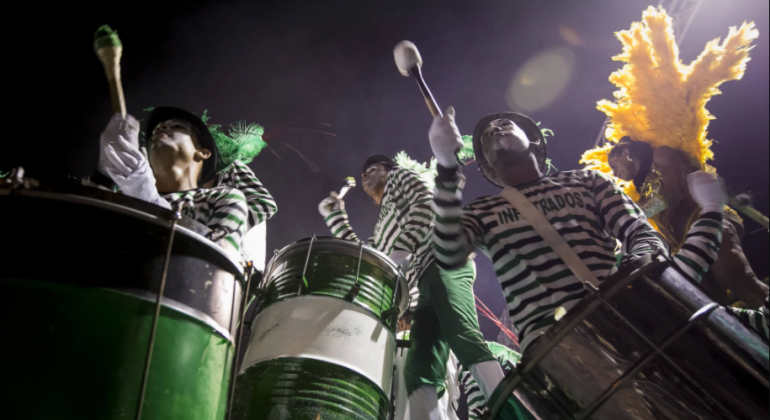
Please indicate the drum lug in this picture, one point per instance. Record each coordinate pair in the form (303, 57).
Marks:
(390, 316)
(304, 270)
(353, 293)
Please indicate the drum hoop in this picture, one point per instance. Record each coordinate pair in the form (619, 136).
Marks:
(178, 307)
(234, 268)
(395, 271)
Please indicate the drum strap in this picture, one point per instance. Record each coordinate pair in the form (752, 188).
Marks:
(549, 234)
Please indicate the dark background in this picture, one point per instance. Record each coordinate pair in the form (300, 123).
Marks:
(331, 62)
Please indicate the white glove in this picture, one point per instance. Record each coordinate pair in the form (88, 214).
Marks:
(707, 190)
(401, 258)
(330, 204)
(128, 128)
(129, 169)
(445, 139)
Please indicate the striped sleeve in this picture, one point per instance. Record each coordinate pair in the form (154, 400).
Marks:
(474, 398)
(228, 213)
(757, 320)
(456, 232)
(339, 226)
(622, 218)
(261, 204)
(477, 404)
(415, 196)
(701, 246)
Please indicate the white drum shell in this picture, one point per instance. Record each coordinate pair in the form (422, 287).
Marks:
(326, 329)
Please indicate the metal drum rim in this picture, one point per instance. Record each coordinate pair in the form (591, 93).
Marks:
(396, 271)
(235, 267)
(177, 307)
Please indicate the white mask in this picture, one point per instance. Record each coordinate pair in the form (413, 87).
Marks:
(503, 135)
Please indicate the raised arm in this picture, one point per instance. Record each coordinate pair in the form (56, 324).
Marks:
(261, 204)
(457, 232)
(333, 211)
(622, 218)
(704, 238)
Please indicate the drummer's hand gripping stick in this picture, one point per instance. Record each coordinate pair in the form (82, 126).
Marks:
(350, 182)
(109, 49)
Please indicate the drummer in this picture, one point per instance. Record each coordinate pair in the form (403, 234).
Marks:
(404, 232)
(587, 209)
(182, 168)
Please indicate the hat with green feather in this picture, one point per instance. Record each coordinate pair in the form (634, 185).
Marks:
(242, 142)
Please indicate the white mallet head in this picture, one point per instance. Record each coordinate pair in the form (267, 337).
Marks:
(407, 57)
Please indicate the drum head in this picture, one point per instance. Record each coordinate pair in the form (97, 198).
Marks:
(331, 254)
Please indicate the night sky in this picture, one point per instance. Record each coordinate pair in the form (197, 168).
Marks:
(331, 62)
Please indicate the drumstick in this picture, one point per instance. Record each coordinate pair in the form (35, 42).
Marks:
(409, 62)
(749, 211)
(350, 182)
(109, 49)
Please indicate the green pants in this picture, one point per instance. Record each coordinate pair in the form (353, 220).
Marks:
(445, 317)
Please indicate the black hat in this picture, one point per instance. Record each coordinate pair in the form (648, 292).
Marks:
(379, 159)
(532, 131)
(165, 113)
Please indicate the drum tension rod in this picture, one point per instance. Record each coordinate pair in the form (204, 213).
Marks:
(175, 217)
(238, 337)
(304, 270)
(353, 292)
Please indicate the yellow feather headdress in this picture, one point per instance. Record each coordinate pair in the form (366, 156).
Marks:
(661, 101)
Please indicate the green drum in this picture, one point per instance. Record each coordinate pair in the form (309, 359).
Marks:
(322, 344)
(79, 292)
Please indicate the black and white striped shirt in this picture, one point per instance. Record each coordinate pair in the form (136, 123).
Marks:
(261, 204)
(221, 209)
(587, 209)
(405, 223)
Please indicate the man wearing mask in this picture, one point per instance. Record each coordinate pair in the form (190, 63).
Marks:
(587, 210)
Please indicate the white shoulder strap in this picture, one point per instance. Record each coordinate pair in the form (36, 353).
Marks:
(549, 234)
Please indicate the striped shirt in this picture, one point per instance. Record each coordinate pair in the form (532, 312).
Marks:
(405, 223)
(756, 319)
(587, 209)
(260, 202)
(477, 404)
(221, 209)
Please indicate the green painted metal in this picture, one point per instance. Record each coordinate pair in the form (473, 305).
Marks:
(78, 353)
(306, 389)
(332, 274)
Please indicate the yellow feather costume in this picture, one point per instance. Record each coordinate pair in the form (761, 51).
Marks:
(661, 101)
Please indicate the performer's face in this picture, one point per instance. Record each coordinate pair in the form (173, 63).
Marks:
(374, 179)
(623, 166)
(172, 142)
(503, 142)
(174, 133)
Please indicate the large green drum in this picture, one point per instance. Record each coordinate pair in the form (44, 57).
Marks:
(79, 287)
(322, 344)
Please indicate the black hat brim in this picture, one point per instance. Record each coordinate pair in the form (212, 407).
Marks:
(379, 159)
(165, 113)
(530, 128)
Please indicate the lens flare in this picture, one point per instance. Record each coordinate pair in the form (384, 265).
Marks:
(541, 80)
